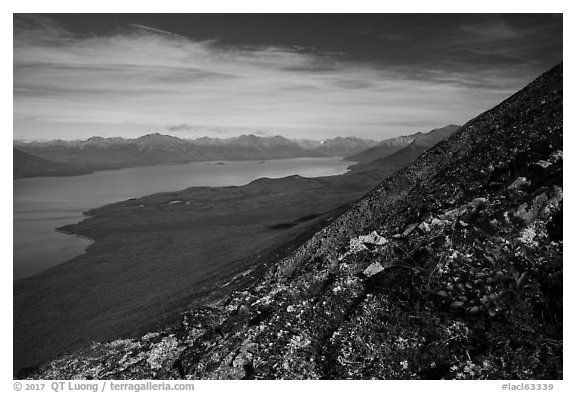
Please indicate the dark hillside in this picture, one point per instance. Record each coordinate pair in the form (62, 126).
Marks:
(419, 141)
(28, 165)
(387, 164)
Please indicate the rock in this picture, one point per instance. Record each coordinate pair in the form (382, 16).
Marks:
(529, 212)
(164, 353)
(477, 202)
(242, 359)
(519, 184)
(436, 222)
(243, 310)
(356, 246)
(373, 238)
(252, 347)
(474, 310)
(449, 215)
(456, 304)
(373, 269)
(543, 164)
(424, 227)
(409, 229)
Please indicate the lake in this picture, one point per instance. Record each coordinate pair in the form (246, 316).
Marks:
(43, 204)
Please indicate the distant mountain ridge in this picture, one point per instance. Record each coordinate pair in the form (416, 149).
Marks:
(28, 165)
(391, 162)
(333, 146)
(392, 145)
(345, 146)
(99, 153)
(383, 148)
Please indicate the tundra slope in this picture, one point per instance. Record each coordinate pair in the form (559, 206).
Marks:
(194, 240)
(450, 268)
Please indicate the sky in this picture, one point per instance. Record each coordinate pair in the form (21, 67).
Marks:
(314, 76)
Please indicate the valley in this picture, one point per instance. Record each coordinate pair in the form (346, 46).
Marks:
(196, 240)
(436, 272)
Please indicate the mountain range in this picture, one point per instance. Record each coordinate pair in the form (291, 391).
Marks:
(379, 158)
(449, 268)
(64, 158)
(392, 145)
(98, 153)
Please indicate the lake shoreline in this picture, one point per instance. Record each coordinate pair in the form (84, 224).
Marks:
(94, 170)
(161, 176)
(148, 264)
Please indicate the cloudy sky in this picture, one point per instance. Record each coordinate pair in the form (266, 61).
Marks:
(302, 76)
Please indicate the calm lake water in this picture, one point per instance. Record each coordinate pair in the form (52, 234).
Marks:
(43, 204)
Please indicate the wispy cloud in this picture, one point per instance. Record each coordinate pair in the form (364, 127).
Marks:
(71, 85)
(180, 128)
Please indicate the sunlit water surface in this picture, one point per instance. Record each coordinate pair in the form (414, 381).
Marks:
(43, 204)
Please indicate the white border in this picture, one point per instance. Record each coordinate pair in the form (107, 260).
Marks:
(294, 6)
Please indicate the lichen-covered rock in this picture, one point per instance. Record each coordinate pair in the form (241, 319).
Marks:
(373, 269)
